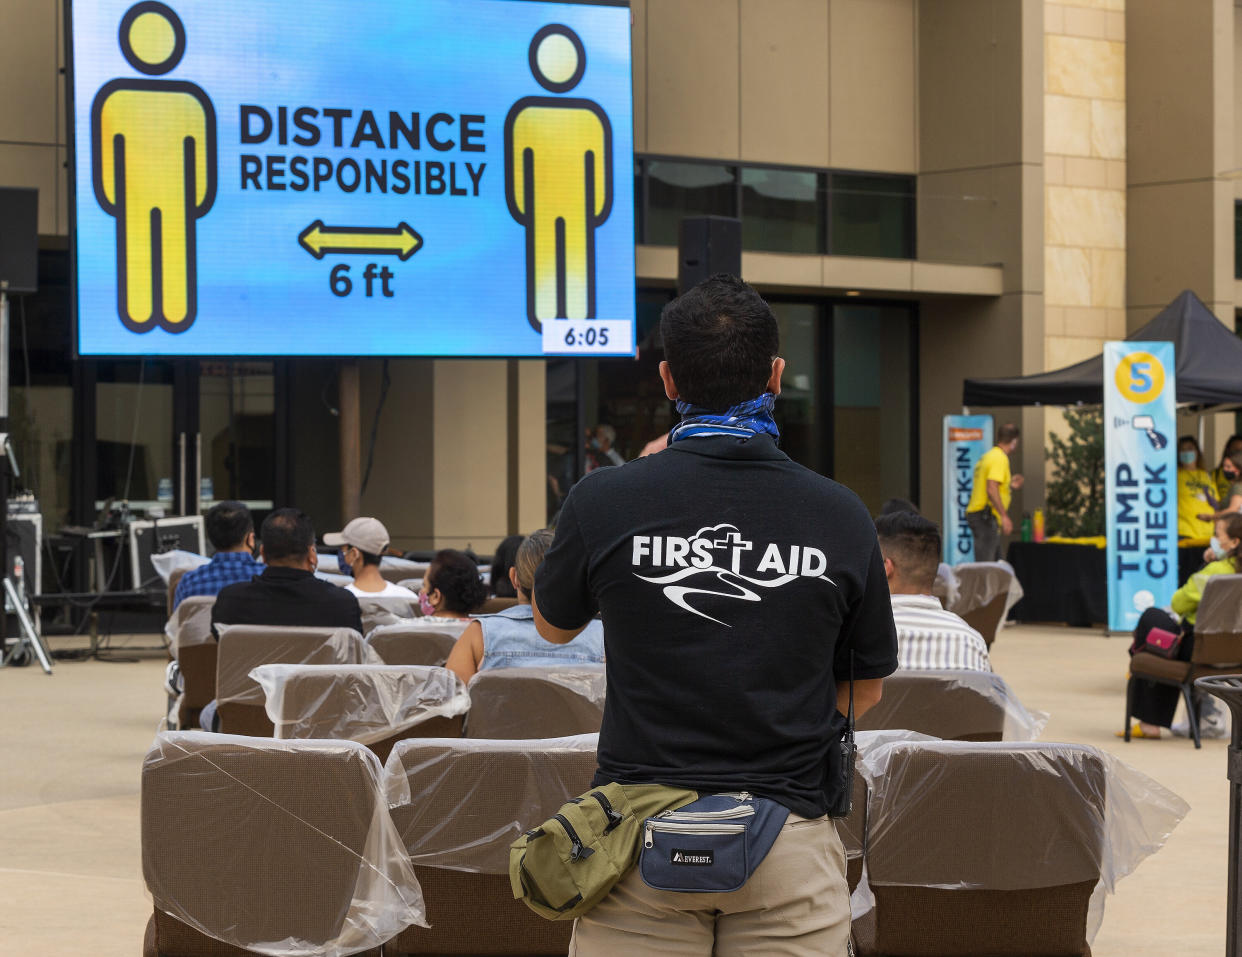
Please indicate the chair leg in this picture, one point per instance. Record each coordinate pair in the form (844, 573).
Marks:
(1129, 704)
(1191, 714)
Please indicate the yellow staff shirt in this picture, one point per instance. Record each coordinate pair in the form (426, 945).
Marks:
(993, 467)
(1193, 486)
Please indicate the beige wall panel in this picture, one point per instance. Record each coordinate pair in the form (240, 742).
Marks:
(774, 269)
(34, 166)
(656, 262)
(784, 81)
(1067, 125)
(1077, 216)
(471, 471)
(944, 278)
(847, 272)
(692, 78)
(1237, 101)
(972, 83)
(400, 492)
(1078, 66)
(28, 75)
(1169, 82)
(532, 445)
(638, 45)
(1180, 216)
(974, 217)
(873, 98)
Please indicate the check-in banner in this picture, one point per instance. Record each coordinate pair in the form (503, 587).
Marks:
(1140, 449)
(966, 438)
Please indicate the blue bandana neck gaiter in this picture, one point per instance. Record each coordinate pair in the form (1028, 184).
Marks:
(746, 419)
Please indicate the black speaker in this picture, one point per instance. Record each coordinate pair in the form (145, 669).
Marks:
(707, 245)
(19, 238)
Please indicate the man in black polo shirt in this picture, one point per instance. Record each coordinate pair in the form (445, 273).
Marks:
(287, 593)
(735, 587)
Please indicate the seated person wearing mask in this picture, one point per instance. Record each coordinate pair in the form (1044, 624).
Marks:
(452, 587)
(230, 529)
(287, 593)
(509, 639)
(1223, 481)
(362, 543)
(928, 637)
(1231, 472)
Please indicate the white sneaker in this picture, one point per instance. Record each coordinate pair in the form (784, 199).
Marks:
(1214, 725)
(1181, 729)
(174, 684)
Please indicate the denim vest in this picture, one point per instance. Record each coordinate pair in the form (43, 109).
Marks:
(511, 641)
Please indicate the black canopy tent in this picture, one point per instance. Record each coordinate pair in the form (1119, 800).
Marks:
(1209, 365)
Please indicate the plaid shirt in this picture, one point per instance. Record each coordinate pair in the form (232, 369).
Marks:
(225, 568)
(928, 637)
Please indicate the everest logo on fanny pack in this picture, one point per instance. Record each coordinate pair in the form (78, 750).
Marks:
(715, 556)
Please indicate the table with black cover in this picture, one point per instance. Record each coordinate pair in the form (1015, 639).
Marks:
(1068, 584)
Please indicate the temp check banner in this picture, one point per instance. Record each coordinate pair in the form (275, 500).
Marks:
(966, 438)
(353, 177)
(1140, 449)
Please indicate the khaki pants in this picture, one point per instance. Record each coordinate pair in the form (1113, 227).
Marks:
(795, 904)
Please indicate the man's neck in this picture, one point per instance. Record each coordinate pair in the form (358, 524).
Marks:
(300, 565)
(898, 588)
(369, 579)
(233, 551)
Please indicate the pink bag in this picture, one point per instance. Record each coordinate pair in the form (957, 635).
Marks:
(1162, 643)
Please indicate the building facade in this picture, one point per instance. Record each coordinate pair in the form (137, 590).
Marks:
(930, 190)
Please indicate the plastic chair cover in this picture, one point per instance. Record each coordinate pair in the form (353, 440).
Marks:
(954, 704)
(1002, 816)
(447, 626)
(279, 847)
(177, 560)
(1220, 610)
(460, 803)
(411, 646)
(190, 623)
(245, 647)
(365, 703)
(536, 702)
(946, 587)
(377, 611)
(398, 570)
(981, 582)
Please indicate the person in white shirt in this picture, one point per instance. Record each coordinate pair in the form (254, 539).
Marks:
(928, 637)
(362, 543)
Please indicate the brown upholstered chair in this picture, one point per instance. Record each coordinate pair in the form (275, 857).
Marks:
(852, 830)
(984, 850)
(376, 705)
(1217, 649)
(193, 645)
(495, 604)
(953, 705)
(458, 805)
(377, 611)
(246, 842)
(243, 647)
(536, 702)
(412, 644)
(983, 598)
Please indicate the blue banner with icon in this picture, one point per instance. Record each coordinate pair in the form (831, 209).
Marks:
(1140, 462)
(966, 438)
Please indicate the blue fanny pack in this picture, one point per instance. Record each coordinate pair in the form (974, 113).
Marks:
(710, 846)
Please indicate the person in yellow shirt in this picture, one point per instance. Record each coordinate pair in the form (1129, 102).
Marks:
(1223, 481)
(1195, 491)
(987, 513)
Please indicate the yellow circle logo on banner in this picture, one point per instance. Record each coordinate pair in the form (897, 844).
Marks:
(1140, 377)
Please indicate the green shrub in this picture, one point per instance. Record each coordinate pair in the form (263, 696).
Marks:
(1076, 491)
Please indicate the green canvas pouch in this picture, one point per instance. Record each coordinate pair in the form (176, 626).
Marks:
(566, 865)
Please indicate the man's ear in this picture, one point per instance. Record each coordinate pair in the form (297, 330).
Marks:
(888, 569)
(312, 559)
(774, 383)
(262, 557)
(513, 579)
(670, 387)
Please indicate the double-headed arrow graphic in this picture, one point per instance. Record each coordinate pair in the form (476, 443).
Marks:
(319, 240)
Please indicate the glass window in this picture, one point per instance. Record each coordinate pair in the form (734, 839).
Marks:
(675, 190)
(134, 433)
(781, 211)
(871, 216)
(801, 428)
(872, 363)
(237, 426)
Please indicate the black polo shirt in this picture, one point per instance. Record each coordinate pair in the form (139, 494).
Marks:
(286, 596)
(733, 584)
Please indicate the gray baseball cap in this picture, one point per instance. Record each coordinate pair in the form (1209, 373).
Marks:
(366, 534)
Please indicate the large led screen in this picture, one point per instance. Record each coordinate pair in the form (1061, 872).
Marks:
(353, 177)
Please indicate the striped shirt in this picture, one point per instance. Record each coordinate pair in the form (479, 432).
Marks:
(930, 638)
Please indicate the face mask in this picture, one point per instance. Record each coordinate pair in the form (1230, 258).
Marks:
(595, 443)
(342, 565)
(1188, 457)
(1232, 476)
(425, 605)
(1217, 548)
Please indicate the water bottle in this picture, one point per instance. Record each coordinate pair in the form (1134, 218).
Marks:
(164, 491)
(1026, 527)
(1039, 525)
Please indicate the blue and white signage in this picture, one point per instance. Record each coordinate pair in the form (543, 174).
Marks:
(966, 438)
(1140, 461)
(328, 177)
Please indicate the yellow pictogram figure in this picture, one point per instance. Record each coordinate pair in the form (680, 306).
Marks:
(153, 149)
(558, 179)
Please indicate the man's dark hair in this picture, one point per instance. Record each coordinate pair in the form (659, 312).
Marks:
(502, 561)
(286, 533)
(719, 339)
(899, 505)
(228, 524)
(368, 558)
(456, 575)
(912, 543)
(1007, 433)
